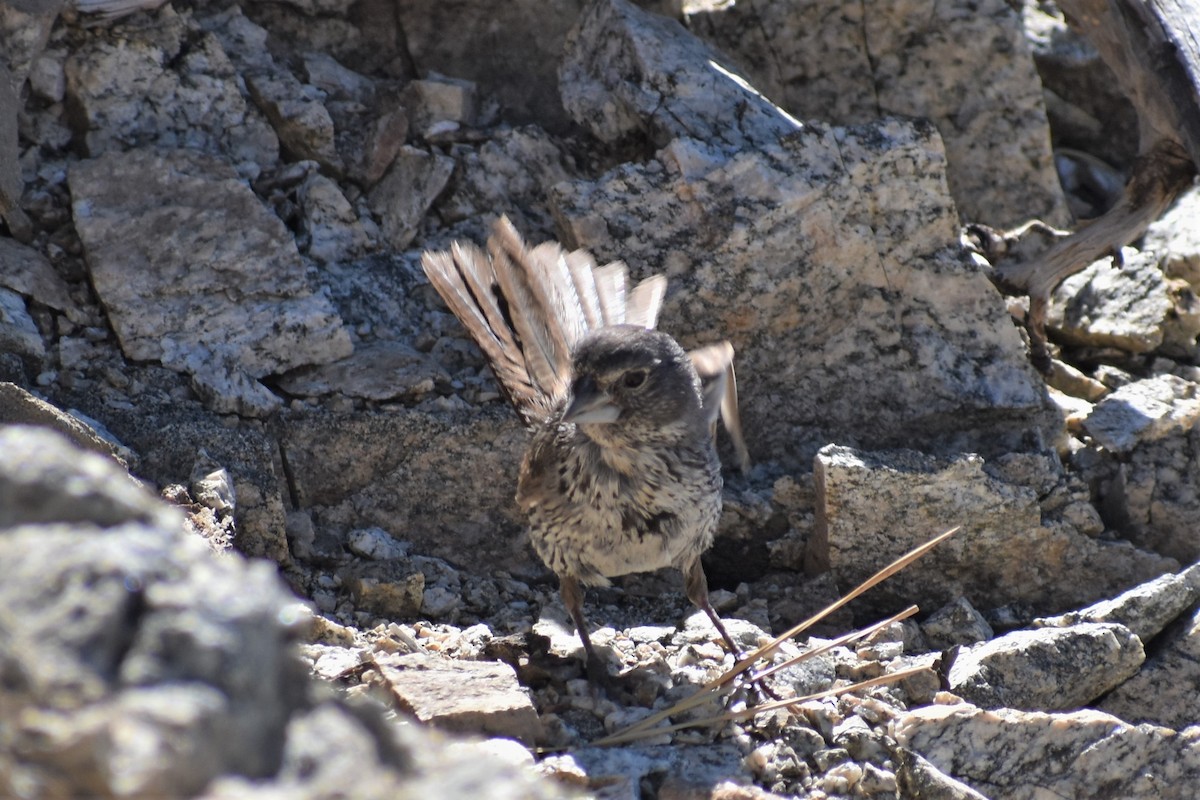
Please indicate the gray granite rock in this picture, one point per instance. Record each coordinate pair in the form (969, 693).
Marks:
(18, 332)
(1084, 102)
(25, 270)
(159, 80)
(131, 641)
(844, 63)
(955, 623)
(11, 184)
(1157, 495)
(24, 31)
(375, 371)
(401, 198)
(1153, 495)
(406, 471)
(1144, 412)
(829, 257)
(141, 665)
(1024, 755)
(370, 124)
(1049, 669)
(1144, 609)
(1166, 690)
(874, 507)
(334, 230)
(19, 407)
(918, 778)
(231, 300)
(1134, 308)
(462, 696)
(510, 173)
(1175, 239)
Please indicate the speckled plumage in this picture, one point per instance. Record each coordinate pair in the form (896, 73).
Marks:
(621, 474)
(634, 495)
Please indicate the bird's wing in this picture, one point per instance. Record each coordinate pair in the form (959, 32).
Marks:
(718, 386)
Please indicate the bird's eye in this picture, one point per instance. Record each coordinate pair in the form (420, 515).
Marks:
(634, 378)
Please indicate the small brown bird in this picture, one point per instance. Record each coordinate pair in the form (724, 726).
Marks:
(622, 473)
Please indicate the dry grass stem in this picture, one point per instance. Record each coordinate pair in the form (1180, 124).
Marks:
(724, 683)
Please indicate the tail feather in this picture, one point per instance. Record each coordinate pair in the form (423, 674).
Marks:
(610, 291)
(539, 334)
(582, 267)
(643, 304)
(456, 276)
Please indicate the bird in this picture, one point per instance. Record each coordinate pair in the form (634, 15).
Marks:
(621, 474)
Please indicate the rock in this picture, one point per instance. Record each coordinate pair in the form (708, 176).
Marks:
(229, 292)
(28, 272)
(874, 507)
(375, 544)
(1175, 239)
(370, 125)
(334, 746)
(1049, 669)
(19, 407)
(833, 61)
(461, 696)
(956, 623)
(334, 231)
(47, 481)
(1164, 691)
(1154, 496)
(1144, 412)
(1144, 609)
(1150, 425)
(376, 371)
(700, 770)
(301, 122)
(521, 43)
(294, 109)
(168, 438)
(1025, 755)
(385, 589)
(24, 30)
(510, 173)
(883, 333)
(406, 192)
(439, 104)
(144, 666)
(395, 471)
(130, 642)
(115, 9)
(18, 333)
(918, 778)
(11, 184)
(1131, 308)
(193, 99)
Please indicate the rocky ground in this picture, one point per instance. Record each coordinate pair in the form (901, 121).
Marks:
(210, 291)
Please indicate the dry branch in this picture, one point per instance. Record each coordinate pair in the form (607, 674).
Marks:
(1153, 47)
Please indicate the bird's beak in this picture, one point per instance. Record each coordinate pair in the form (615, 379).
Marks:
(590, 405)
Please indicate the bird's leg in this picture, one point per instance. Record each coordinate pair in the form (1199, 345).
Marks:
(696, 586)
(572, 595)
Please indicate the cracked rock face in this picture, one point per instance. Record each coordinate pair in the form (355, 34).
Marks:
(231, 302)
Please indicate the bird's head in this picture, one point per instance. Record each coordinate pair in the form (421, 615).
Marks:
(629, 378)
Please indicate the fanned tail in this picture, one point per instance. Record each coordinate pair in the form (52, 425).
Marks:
(527, 309)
